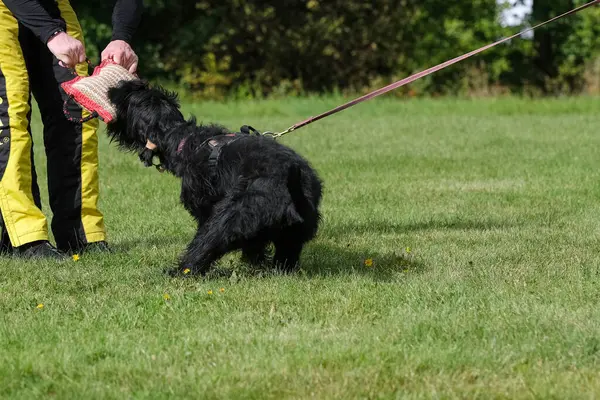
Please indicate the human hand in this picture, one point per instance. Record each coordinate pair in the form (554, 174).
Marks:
(67, 49)
(121, 53)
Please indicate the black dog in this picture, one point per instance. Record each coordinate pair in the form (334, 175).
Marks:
(245, 191)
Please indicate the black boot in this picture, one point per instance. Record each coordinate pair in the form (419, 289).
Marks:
(96, 247)
(38, 249)
(5, 246)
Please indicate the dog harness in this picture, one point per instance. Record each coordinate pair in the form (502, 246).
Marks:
(217, 143)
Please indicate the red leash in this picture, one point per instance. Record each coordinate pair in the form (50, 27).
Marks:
(421, 74)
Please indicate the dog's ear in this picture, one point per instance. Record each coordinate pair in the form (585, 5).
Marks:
(161, 108)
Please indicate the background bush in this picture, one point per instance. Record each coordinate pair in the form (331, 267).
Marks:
(257, 48)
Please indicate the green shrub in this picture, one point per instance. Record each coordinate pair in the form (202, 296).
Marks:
(253, 48)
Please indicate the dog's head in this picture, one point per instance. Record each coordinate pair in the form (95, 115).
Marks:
(143, 114)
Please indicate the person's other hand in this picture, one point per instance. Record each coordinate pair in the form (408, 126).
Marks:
(67, 49)
(121, 53)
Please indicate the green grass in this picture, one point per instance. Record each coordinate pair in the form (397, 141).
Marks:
(497, 297)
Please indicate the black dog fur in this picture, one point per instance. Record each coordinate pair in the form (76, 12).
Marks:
(259, 192)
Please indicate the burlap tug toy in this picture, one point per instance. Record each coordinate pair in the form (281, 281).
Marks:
(91, 92)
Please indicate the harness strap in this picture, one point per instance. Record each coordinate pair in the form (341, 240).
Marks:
(217, 143)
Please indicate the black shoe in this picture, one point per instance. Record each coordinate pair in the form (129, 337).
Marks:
(5, 246)
(38, 249)
(95, 247)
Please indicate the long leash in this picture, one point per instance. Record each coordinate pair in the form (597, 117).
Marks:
(421, 74)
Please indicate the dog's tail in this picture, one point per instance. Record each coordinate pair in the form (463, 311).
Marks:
(301, 206)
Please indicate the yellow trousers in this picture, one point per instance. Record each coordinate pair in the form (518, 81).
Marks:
(27, 67)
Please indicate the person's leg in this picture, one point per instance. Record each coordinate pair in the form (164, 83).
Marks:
(72, 151)
(24, 224)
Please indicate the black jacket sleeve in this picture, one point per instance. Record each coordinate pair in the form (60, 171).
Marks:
(33, 16)
(126, 18)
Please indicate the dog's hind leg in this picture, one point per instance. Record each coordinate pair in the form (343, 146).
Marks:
(254, 251)
(288, 247)
(287, 255)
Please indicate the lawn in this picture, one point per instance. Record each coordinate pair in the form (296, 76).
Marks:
(482, 219)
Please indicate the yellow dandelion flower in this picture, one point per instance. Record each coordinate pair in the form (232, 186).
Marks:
(408, 249)
(166, 296)
(40, 306)
(186, 271)
(222, 290)
(369, 262)
(210, 292)
(75, 257)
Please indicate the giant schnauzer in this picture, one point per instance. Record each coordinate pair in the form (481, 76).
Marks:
(245, 191)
